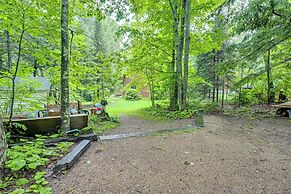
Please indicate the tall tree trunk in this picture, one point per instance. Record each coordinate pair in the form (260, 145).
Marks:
(3, 147)
(217, 77)
(186, 53)
(177, 61)
(217, 88)
(65, 92)
(226, 92)
(222, 94)
(35, 67)
(173, 91)
(240, 88)
(213, 88)
(214, 78)
(175, 87)
(16, 69)
(268, 70)
(152, 93)
(8, 43)
(180, 49)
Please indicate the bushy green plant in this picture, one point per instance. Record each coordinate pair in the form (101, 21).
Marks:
(163, 113)
(132, 94)
(24, 163)
(29, 156)
(246, 97)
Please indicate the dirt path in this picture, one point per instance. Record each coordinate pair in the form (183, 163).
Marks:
(229, 155)
(134, 124)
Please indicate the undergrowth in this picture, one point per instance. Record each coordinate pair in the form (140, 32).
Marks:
(252, 112)
(25, 165)
(162, 112)
(100, 126)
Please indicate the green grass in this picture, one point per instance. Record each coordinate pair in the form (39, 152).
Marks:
(119, 106)
(115, 108)
(101, 127)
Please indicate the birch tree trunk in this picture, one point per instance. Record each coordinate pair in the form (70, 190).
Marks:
(186, 53)
(65, 109)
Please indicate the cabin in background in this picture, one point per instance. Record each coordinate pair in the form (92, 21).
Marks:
(144, 91)
(31, 94)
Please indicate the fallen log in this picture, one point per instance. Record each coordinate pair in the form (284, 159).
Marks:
(71, 158)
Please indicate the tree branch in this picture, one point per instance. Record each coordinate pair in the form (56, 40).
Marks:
(172, 8)
(3, 77)
(159, 48)
(273, 9)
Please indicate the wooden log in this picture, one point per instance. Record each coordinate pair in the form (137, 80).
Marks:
(91, 137)
(71, 158)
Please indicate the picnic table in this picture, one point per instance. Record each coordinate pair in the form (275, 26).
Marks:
(283, 108)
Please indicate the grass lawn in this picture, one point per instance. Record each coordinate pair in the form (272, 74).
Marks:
(118, 106)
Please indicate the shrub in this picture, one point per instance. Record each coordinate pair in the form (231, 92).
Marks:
(247, 97)
(164, 113)
(132, 94)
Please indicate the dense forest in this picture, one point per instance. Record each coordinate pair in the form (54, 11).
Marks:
(235, 50)
(189, 55)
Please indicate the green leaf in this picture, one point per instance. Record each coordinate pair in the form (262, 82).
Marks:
(39, 175)
(16, 164)
(22, 181)
(45, 182)
(3, 185)
(45, 190)
(18, 191)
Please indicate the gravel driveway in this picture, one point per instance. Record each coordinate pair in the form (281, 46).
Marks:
(229, 155)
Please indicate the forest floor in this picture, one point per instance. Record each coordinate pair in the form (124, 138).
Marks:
(228, 155)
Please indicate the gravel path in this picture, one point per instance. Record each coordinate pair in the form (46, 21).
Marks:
(229, 155)
(134, 124)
